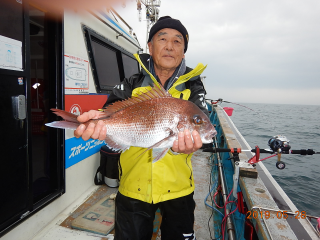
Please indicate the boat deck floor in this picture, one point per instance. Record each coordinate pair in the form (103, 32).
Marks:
(60, 227)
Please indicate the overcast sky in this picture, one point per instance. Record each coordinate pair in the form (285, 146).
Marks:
(256, 51)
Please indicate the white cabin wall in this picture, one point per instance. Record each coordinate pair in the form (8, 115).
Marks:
(75, 45)
(74, 40)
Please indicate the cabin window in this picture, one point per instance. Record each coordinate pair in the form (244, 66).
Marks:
(130, 65)
(109, 62)
(106, 65)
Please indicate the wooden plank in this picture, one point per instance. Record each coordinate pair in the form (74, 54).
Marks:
(248, 172)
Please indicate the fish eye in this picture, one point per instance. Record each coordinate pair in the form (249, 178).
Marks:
(197, 119)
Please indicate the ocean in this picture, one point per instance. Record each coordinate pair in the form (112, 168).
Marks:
(301, 125)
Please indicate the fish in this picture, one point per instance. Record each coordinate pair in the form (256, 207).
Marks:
(151, 120)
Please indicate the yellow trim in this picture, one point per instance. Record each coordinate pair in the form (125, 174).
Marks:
(182, 79)
(137, 91)
(142, 65)
(195, 72)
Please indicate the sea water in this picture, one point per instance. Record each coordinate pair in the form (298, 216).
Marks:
(301, 125)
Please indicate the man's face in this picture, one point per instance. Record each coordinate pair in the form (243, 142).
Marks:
(167, 48)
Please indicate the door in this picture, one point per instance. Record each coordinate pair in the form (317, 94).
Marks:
(31, 159)
(14, 169)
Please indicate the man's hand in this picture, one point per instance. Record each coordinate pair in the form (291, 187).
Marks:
(184, 144)
(95, 131)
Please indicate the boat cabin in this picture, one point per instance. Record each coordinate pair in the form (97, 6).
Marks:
(70, 60)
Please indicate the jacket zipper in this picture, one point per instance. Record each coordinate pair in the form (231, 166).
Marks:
(190, 170)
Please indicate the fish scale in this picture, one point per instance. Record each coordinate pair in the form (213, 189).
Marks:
(146, 126)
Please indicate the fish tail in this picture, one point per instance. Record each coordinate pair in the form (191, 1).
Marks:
(63, 125)
(70, 122)
(70, 117)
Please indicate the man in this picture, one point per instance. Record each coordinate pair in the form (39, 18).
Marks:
(167, 184)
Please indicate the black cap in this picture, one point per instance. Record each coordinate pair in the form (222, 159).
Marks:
(168, 22)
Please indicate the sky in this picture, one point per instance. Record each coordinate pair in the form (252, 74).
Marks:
(256, 51)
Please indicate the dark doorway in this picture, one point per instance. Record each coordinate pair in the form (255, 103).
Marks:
(39, 93)
(45, 92)
(31, 82)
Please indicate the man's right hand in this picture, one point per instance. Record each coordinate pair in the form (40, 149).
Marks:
(95, 131)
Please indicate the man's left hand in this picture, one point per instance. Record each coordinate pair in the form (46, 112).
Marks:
(185, 145)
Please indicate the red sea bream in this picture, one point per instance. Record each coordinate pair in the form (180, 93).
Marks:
(150, 120)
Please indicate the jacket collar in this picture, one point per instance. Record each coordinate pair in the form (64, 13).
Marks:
(190, 74)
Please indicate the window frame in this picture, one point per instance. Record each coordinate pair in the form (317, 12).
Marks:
(89, 35)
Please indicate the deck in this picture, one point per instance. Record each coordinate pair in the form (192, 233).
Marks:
(59, 228)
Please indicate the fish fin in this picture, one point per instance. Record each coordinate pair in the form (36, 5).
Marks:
(63, 125)
(158, 153)
(158, 144)
(65, 115)
(171, 135)
(181, 126)
(162, 91)
(153, 93)
(115, 146)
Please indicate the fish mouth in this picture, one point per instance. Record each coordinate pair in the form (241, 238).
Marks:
(209, 138)
(207, 141)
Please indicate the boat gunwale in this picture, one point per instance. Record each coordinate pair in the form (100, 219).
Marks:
(234, 139)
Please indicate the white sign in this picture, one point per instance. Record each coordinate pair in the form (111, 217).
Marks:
(76, 73)
(10, 54)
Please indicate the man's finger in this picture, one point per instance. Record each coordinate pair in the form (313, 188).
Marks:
(197, 140)
(103, 133)
(79, 131)
(181, 143)
(175, 146)
(188, 140)
(97, 129)
(83, 117)
(88, 132)
(92, 114)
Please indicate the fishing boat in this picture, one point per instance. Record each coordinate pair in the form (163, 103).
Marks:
(58, 60)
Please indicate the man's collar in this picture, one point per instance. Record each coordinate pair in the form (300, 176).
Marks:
(180, 70)
(145, 58)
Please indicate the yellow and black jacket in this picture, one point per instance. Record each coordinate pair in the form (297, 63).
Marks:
(170, 177)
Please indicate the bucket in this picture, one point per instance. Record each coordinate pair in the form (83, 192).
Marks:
(109, 160)
(111, 182)
(228, 110)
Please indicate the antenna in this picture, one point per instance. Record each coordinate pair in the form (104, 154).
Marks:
(152, 13)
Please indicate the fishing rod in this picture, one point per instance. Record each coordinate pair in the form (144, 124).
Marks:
(229, 223)
(278, 144)
(220, 100)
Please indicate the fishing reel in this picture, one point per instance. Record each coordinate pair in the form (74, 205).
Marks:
(279, 144)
